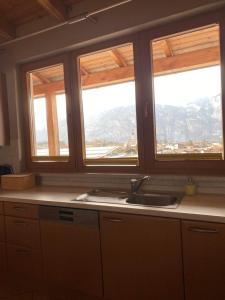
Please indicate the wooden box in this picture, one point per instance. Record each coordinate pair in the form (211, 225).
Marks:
(17, 181)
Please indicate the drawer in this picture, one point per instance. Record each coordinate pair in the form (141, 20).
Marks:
(24, 267)
(21, 210)
(23, 232)
(1, 208)
(2, 229)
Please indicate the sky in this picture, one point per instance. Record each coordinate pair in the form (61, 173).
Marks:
(182, 88)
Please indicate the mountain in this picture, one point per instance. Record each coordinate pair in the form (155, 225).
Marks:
(197, 121)
(200, 120)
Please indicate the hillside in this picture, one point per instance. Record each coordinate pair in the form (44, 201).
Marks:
(198, 121)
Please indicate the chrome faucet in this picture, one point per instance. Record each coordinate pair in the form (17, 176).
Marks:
(137, 183)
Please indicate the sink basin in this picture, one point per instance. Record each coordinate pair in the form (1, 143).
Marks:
(119, 197)
(154, 200)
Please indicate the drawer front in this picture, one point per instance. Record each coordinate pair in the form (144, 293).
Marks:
(21, 210)
(23, 232)
(1, 208)
(2, 229)
(24, 267)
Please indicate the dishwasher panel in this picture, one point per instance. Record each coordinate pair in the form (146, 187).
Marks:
(71, 250)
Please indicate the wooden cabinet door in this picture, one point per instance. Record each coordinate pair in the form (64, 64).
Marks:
(23, 232)
(2, 229)
(4, 287)
(141, 257)
(72, 257)
(24, 268)
(204, 260)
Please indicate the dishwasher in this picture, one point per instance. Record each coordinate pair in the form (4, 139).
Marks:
(71, 249)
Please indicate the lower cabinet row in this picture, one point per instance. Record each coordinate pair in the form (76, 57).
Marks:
(75, 254)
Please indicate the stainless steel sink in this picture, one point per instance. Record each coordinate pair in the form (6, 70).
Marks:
(120, 197)
(154, 200)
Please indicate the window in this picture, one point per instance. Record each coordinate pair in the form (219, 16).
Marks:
(149, 102)
(49, 136)
(109, 106)
(187, 95)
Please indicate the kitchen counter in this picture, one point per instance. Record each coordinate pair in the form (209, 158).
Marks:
(202, 207)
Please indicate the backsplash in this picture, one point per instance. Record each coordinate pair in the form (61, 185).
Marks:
(205, 184)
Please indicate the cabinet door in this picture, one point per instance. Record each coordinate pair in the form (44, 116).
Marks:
(72, 257)
(25, 268)
(23, 232)
(141, 257)
(4, 287)
(2, 229)
(204, 260)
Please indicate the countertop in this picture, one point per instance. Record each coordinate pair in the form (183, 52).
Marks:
(202, 207)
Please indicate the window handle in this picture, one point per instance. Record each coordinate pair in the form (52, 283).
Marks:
(146, 110)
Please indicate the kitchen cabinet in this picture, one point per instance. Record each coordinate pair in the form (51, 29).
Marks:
(4, 113)
(204, 262)
(71, 250)
(23, 247)
(24, 267)
(141, 257)
(23, 232)
(4, 287)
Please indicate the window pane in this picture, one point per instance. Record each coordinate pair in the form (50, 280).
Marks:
(49, 131)
(187, 93)
(109, 106)
(41, 130)
(62, 124)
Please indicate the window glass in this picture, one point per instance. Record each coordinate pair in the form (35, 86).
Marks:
(187, 95)
(109, 105)
(41, 129)
(48, 112)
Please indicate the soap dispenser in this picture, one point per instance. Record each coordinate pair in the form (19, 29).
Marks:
(190, 188)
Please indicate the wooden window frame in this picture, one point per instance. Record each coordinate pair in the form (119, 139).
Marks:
(188, 167)
(47, 163)
(109, 165)
(144, 104)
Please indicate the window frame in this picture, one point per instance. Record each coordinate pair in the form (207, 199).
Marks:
(47, 163)
(144, 103)
(188, 167)
(108, 165)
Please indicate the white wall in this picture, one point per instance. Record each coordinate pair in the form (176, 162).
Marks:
(129, 17)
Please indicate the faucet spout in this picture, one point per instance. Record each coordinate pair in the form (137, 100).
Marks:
(137, 183)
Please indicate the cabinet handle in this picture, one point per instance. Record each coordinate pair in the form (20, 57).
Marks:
(19, 208)
(202, 230)
(113, 220)
(20, 223)
(23, 251)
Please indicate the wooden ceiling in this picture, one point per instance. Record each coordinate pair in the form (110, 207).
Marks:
(18, 12)
(189, 50)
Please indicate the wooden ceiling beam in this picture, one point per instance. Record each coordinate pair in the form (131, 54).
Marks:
(119, 60)
(192, 60)
(187, 61)
(167, 48)
(40, 77)
(55, 8)
(7, 30)
(84, 71)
